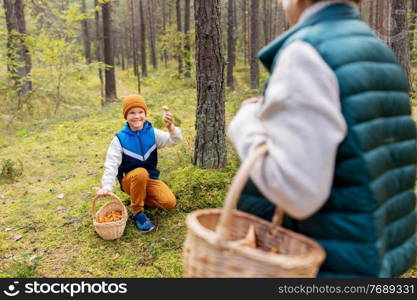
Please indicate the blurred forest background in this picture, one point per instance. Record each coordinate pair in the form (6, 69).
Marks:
(64, 67)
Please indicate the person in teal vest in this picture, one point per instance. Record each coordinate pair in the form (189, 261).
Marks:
(342, 152)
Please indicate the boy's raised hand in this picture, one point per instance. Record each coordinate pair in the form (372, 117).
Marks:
(169, 120)
(103, 192)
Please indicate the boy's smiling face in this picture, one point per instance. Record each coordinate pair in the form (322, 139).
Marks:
(136, 117)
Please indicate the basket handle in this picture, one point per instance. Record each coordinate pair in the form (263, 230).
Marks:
(235, 190)
(95, 198)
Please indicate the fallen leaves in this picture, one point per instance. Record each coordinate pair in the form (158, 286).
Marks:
(16, 237)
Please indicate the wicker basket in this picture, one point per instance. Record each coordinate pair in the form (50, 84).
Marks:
(110, 230)
(211, 250)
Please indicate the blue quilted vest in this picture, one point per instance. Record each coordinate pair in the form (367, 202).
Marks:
(368, 224)
(139, 150)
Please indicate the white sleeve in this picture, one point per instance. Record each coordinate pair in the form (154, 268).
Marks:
(168, 138)
(111, 165)
(302, 124)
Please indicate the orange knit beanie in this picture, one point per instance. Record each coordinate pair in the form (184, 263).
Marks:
(133, 101)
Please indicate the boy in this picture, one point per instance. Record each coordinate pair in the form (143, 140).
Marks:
(132, 158)
(342, 144)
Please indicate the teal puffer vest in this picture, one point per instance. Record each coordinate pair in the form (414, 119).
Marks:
(368, 224)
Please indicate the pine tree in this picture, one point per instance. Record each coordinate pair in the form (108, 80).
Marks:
(254, 44)
(210, 143)
(19, 63)
(110, 74)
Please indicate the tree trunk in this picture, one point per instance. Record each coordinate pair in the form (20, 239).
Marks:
(282, 19)
(398, 37)
(382, 19)
(210, 143)
(99, 48)
(128, 37)
(152, 38)
(164, 28)
(371, 15)
(133, 38)
(134, 45)
(245, 31)
(143, 39)
(231, 44)
(122, 53)
(270, 21)
(254, 43)
(110, 76)
(179, 50)
(86, 34)
(187, 42)
(266, 21)
(19, 63)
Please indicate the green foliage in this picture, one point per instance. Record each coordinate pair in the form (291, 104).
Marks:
(9, 171)
(61, 59)
(173, 41)
(58, 65)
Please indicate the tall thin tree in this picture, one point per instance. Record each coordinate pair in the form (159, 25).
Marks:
(164, 27)
(180, 44)
(134, 44)
(187, 42)
(382, 19)
(210, 142)
(86, 32)
(110, 74)
(231, 43)
(372, 15)
(270, 21)
(266, 21)
(254, 43)
(152, 33)
(143, 40)
(245, 30)
(19, 62)
(99, 48)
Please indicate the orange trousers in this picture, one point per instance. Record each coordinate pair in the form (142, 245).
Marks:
(143, 189)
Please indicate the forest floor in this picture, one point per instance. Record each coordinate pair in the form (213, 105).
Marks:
(45, 215)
